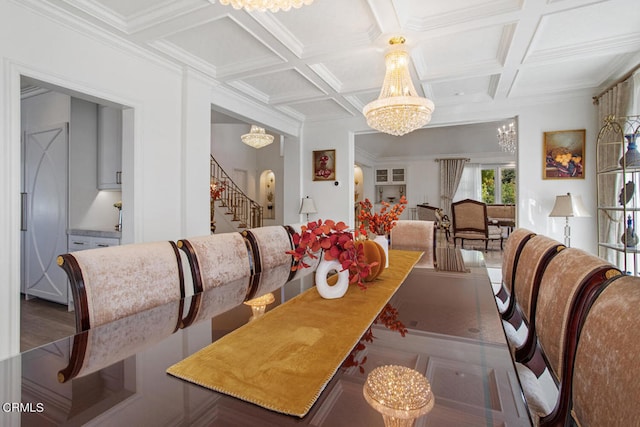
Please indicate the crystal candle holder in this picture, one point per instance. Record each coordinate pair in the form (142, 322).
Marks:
(399, 393)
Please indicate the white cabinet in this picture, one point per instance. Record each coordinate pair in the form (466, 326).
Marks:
(390, 176)
(109, 148)
(82, 242)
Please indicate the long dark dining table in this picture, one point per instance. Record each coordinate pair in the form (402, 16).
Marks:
(454, 337)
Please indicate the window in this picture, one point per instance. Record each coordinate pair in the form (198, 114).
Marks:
(479, 182)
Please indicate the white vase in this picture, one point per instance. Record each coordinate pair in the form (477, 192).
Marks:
(331, 291)
(382, 241)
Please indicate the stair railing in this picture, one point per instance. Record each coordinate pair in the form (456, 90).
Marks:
(246, 211)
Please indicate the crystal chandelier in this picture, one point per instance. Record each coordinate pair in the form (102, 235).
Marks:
(257, 138)
(264, 5)
(398, 110)
(507, 138)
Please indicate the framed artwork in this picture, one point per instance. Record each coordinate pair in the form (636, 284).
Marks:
(324, 165)
(564, 154)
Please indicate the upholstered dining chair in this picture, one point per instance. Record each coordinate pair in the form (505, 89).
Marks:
(273, 266)
(207, 304)
(216, 259)
(534, 258)
(605, 386)
(567, 282)
(512, 250)
(470, 222)
(115, 282)
(105, 345)
(415, 235)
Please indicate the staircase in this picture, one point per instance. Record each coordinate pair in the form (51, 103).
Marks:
(227, 198)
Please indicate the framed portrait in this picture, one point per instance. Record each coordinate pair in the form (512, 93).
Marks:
(324, 165)
(564, 154)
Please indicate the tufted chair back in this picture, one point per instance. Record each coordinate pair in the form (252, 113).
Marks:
(115, 282)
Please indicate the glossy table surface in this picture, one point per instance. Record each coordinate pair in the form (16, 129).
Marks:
(455, 339)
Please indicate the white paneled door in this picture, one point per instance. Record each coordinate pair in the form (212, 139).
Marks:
(45, 167)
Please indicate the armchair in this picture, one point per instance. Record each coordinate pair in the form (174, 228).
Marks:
(470, 222)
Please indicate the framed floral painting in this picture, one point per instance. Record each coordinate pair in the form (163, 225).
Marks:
(324, 165)
(564, 154)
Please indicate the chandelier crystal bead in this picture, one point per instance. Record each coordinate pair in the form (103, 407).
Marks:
(264, 5)
(398, 109)
(507, 138)
(257, 138)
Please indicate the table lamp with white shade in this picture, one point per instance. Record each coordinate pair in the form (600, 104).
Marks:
(566, 206)
(308, 207)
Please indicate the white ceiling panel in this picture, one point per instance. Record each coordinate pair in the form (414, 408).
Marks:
(586, 30)
(424, 15)
(476, 89)
(282, 86)
(458, 53)
(552, 78)
(326, 60)
(321, 110)
(226, 45)
(363, 69)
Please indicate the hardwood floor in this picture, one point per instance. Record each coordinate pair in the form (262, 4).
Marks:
(42, 322)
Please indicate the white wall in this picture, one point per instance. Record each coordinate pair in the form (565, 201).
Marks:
(536, 196)
(163, 164)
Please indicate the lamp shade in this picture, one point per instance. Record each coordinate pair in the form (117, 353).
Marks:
(569, 205)
(308, 207)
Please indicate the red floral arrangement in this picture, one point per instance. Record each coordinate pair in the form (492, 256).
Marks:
(216, 190)
(337, 243)
(380, 223)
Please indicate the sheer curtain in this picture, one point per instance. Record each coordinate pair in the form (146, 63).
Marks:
(470, 186)
(450, 174)
(613, 102)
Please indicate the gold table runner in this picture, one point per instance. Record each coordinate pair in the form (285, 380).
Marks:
(284, 360)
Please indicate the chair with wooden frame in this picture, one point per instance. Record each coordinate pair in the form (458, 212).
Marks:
(118, 281)
(569, 280)
(470, 222)
(512, 250)
(216, 259)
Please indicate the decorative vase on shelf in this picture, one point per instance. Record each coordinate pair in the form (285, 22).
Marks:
(629, 238)
(632, 157)
(326, 290)
(381, 239)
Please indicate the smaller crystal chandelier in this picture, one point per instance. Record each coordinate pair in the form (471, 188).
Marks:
(398, 109)
(264, 5)
(507, 138)
(257, 138)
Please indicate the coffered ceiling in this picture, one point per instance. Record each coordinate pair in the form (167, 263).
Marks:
(325, 61)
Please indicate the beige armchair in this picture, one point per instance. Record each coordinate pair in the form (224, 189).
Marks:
(470, 222)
